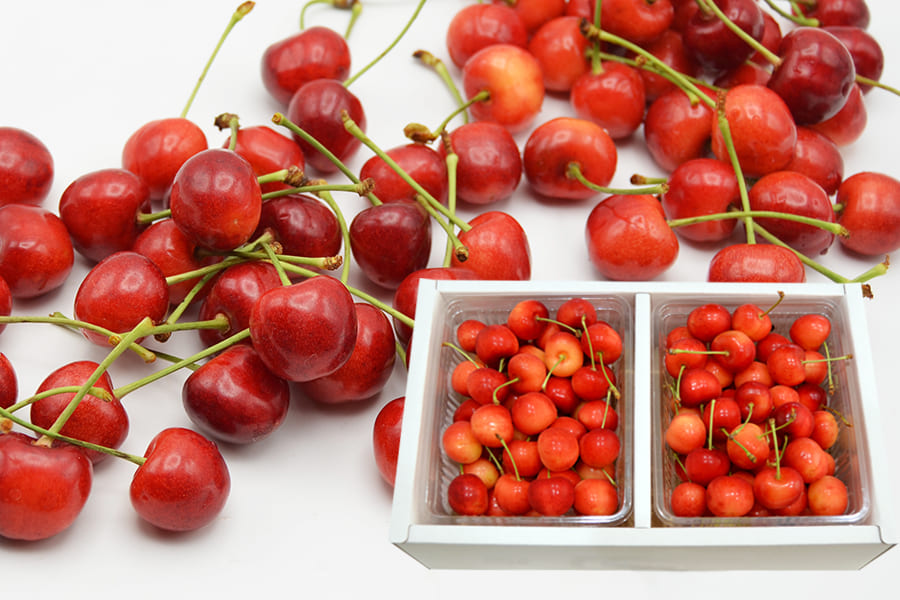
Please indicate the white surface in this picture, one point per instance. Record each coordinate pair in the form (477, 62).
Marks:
(308, 512)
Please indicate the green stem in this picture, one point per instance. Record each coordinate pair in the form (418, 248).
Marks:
(829, 226)
(345, 233)
(74, 324)
(96, 392)
(573, 171)
(390, 46)
(147, 218)
(710, 6)
(440, 68)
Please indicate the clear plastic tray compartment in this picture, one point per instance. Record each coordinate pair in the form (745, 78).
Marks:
(618, 311)
(850, 450)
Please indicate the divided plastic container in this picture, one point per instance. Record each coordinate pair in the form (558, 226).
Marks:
(643, 533)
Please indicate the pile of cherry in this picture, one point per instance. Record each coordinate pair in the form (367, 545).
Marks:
(247, 264)
(536, 428)
(751, 423)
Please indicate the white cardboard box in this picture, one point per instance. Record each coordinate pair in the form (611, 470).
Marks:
(432, 535)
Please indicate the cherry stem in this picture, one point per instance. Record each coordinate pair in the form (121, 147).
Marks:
(345, 233)
(775, 448)
(875, 83)
(96, 392)
(573, 171)
(147, 218)
(461, 352)
(231, 122)
(710, 6)
(829, 226)
(816, 266)
(712, 414)
(511, 458)
(797, 19)
(390, 46)
(238, 14)
(452, 161)
(876, 271)
(58, 318)
(438, 66)
(482, 96)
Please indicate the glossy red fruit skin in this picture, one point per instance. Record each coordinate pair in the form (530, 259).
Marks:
(477, 26)
(303, 225)
(386, 438)
(668, 48)
(756, 263)
(838, 12)
(42, 490)
(535, 13)
(369, 367)
(514, 80)
(157, 150)
(234, 398)
(36, 252)
(849, 123)
(498, 247)
(184, 483)
(868, 56)
(389, 241)
(233, 294)
(99, 421)
(9, 383)
(819, 158)
(815, 75)
(422, 163)
(628, 238)
(713, 45)
(675, 130)
(638, 21)
(406, 294)
(305, 330)
(26, 167)
(267, 151)
(489, 165)
(553, 145)
(871, 212)
(216, 200)
(315, 53)
(100, 211)
(561, 50)
(702, 186)
(614, 99)
(119, 292)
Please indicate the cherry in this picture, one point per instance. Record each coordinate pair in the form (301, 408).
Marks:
(794, 419)
(707, 321)
(562, 354)
(524, 453)
(596, 414)
(512, 494)
(459, 443)
(810, 331)
(422, 163)
(592, 383)
(492, 425)
(685, 432)
(747, 446)
(756, 263)
(848, 124)
(712, 44)
(807, 457)
(688, 499)
(815, 74)
(535, 13)
(513, 79)
(466, 332)
(9, 383)
(819, 158)
(532, 412)
(754, 400)
(459, 381)
(216, 199)
(369, 367)
(561, 50)
(869, 207)
(577, 313)
(489, 164)
(745, 73)
(42, 489)
(156, 150)
(386, 438)
(770, 40)
(697, 387)
(100, 210)
(559, 389)
(761, 145)
(317, 108)
(794, 193)
(314, 53)
(768, 343)
(816, 367)
(551, 496)
(777, 487)
(477, 26)
(558, 448)
(467, 495)
(487, 385)
(613, 98)
(119, 292)
(485, 470)
(676, 129)
(390, 241)
(702, 465)
(827, 496)
(668, 48)
(527, 319)
(497, 247)
(721, 413)
(868, 57)
(599, 447)
(752, 320)
(494, 343)
(602, 341)
(302, 224)
(837, 12)
(702, 186)
(558, 143)
(825, 429)
(597, 497)
(406, 294)
(729, 496)
(184, 482)
(36, 253)
(267, 151)
(26, 167)
(100, 421)
(628, 238)
(685, 353)
(305, 330)
(786, 364)
(234, 398)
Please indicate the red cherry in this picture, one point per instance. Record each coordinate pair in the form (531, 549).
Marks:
(9, 383)
(369, 367)
(42, 490)
(807, 457)
(688, 499)
(303, 225)
(314, 53)
(702, 465)
(422, 163)
(267, 151)
(157, 150)
(386, 438)
(36, 253)
(533, 412)
(669, 48)
(556, 144)
(101, 421)
(677, 130)
(828, 496)
(477, 26)
(119, 292)
(467, 495)
(391, 240)
(848, 124)
(628, 238)
(184, 482)
(712, 44)
(777, 488)
(497, 246)
(602, 341)
(786, 364)
(756, 263)
(514, 81)
(535, 13)
(597, 497)
(100, 211)
(707, 321)
(494, 343)
(729, 496)
(577, 313)
(810, 331)
(233, 294)
(819, 158)
(561, 50)
(216, 199)
(638, 21)
(492, 425)
(747, 446)
(614, 98)
(697, 387)
(794, 419)
(595, 414)
(317, 109)
(721, 413)
(527, 319)
(599, 447)
(489, 164)
(551, 496)
(26, 167)
(838, 12)
(770, 39)
(305, 330)
(459, 443)
(512, 494)
(234, 398)
(406, 294)
(870, 209)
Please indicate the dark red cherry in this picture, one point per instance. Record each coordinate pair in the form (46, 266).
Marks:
(267, 151)
(712, 45)
(315, 53)
(26, 167)
(9, 382)
(422, 163)
(216, 199)
(868, 57)
(36, 253)
(390, 241)
(302, 224)
(100, 211)
(234, 398)
(157, 150)
(317, 108)
(829, 13)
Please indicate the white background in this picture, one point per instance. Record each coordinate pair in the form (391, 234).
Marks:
(308, 512)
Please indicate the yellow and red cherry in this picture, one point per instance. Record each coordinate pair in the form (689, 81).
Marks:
(827, 496)
(514, 82)
(596, 497)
